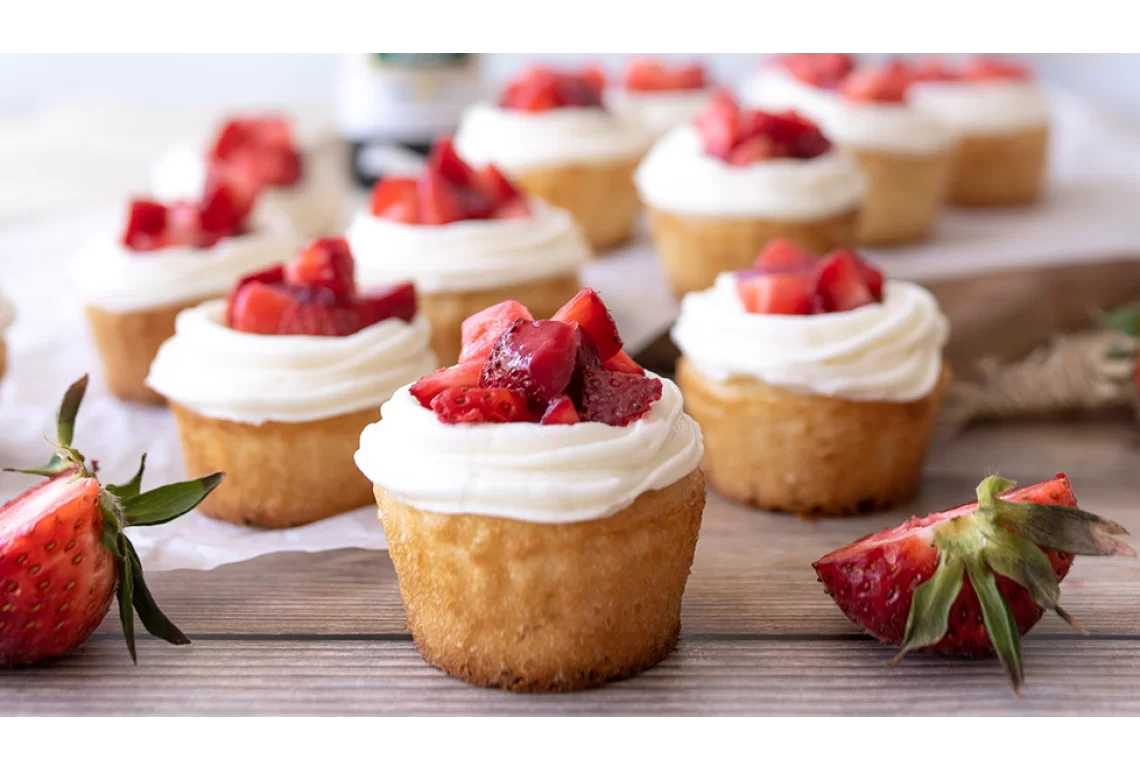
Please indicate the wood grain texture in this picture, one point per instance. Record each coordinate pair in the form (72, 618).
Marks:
(300, 633)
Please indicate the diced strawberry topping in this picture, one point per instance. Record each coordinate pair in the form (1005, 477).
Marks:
(585, 359)
(788, 281)
(887, 84)
(539, 88)
(781, 255)
(742, 137)
(260, 308)
(146, 223)
(933, 68)
(263, 145)
(427, 388)
(467, 404)
(841, 283)
(324, 262)
(778, 293)
(822, 70)
(221, 213)
(623, 363)
(589, 312)
(395, 198)
(616, 398)
(535, 358)
(561, 411)
(994, 68)
(496, 186)
(481, 331)
(439, 203)
(646, 74)
(451, 167)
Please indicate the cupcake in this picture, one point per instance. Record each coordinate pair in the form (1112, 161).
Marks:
(905, 153)
(720, 188)
(550, 131)
(541, 503)
(467, 238)
(302, 180)
(168, 257)
(7, 316)
(659, 96)
(1002, 117)
(816, 385)
(274, 385)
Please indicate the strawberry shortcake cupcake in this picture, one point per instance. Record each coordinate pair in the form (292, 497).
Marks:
(720, 188)
(1002, 117)
(168, 257)
(659, 96)
(817, 385)
(541, 502)
(274, 385)
(300, 178)
(7, 316)
(905, 153)
(551, 132)
(467, 238)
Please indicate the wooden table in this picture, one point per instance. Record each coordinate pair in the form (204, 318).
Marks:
(325, 633)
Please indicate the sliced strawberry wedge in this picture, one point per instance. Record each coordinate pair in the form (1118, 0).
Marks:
(471, 405)
(645, 74)
(539, 88)
(146, 224)
(719, 125)
(440, 204)
(260, 308)
(588, 311)
(623, 363)
(561, 411)
(784, 256)
(481, 331)
(778, 293)
(841, 285)
(496, 186)
(535, 358)
(886, 84)
(324, 262)
(822, 70)
(447, 162)
(397, 301)
(395, 198)
(616, 398)
(994, 68)
(460, 375)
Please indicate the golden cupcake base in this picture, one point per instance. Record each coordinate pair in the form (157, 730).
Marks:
(127, 343)
(3, 357)
(693, 250)
(1000, 169)
(446, 310)
(546, 607)
(278, 474)
(600, 196)
(779, 450)
(904, 195)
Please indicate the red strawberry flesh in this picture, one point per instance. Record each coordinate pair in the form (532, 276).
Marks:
(535, 358)
(465, 404)
(778, 293)
(428, 387)
(481, 331)
(561, 411)
(623, 363)
(324, 262)
(588, 311)
(616, 398)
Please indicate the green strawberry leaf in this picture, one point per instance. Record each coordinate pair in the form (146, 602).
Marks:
(1062, 528)
(132, 487)
(1000, 624)
(1125, 320)
(929, 617)
(125, 594)
(164, 504)
(153, 619)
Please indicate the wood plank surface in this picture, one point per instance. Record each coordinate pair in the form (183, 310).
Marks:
(324, 633)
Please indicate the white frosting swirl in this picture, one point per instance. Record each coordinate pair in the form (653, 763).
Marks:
(889, 351)
(467, 255)
(253, 378)
(658, 111)
(548, 474)
(520, 141)
(679, 176)
(901, 128)
(7, 313)
(990, 107)
(108, 275)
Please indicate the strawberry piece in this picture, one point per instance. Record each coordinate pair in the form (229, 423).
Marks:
(595, 77)
(588, 311)
(778, 293)
(395, 198)
(440, 204)
(933, 68)
(982, 68)
(645, 74)
(146, 225)
(540, 88)
(886, 84)
(446, 161)
(233, 135)
(481, 331)
(312, 319)
(616, 398)
(262, 146)
(496, 186)
(751, 150)
(623, 363)
(798, 136)
(841, 283)
(324, 262)
(466, 404)
(561, 411)
(586, 358)
(223, 208)
(535, 358)
(260, 308)
(429, 386)
(872, 276)
(64, 554)
(783, 256)
(719, 124)
(397, 301)
(822, 70)
(519, 208)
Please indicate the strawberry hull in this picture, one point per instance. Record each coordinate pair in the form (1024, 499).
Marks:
(873, 579)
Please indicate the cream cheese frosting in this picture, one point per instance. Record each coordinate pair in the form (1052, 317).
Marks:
(903, 128)
(888, 351)
(989, 107)
(547, 474)
(110, 276)
(677, 175)
(467, 255)
(658, 111)
(7, 313)
(215, 371)
(521, 141)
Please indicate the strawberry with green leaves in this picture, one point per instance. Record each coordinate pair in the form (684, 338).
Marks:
(64, 554)
(972, 580)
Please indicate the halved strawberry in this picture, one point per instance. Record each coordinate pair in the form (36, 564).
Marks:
(971, 580)
(466, 404)
(481, 331)
(398, 301)
(495, 184)
(616, 398)
(623, 363)
(440, 204)
(588, 311)
(560, 411)
(260, 308)
(888, 83)
(719, 124)
(993, 68)
(822, 70)
(841, 285)
(783, 256)
(535, 358)
(429, 386)
(324, 262)
(146, 225)
(778, 293)
(395, 198)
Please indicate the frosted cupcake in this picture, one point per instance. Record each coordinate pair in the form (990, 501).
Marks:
(905, 153)
(7, 316)
(167, 258)
(467, 238)
(302, 179)
(541, 503)
(720, 188)
(274, 385)
(550, 131)
(1002, 117)
(816, 385)
(659, 96)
